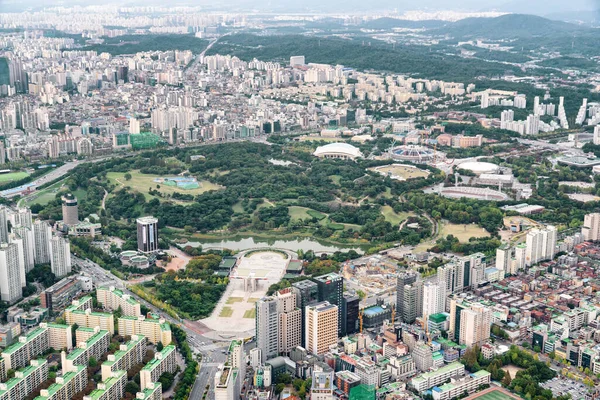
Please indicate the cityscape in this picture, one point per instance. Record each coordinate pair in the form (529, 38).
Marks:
(314, 200)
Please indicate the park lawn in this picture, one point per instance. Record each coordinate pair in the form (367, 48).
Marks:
(393, 217)
(463, 232)
(297, 213)
(143, 182)
(316, 214)
(226, 312)
(46, 195)
(250, 313)
(13, 176)
(252, 300)
(233, 300)
(237, 208)
(336, 179)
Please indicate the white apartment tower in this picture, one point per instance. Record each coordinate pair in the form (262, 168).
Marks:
(504, 258)
(27, 235)
(591, 227)
(475, 323)
(42, 234)
(11, 288)
(60, 256)
(267, 328)
(434, 298)
(541, 245)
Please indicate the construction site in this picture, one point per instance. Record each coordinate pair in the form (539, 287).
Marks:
(374, 275)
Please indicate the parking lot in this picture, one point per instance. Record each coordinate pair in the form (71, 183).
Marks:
(561, 386)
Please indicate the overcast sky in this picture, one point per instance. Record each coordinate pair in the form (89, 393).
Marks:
(540, 7)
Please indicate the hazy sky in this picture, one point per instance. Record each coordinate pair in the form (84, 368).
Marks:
(540, 7)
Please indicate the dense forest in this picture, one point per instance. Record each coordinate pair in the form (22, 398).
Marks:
(131, 44)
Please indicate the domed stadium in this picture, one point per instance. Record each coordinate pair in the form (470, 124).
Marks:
(412, 153)
(343, 151)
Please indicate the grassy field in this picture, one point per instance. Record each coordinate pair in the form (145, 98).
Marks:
(237, 207)
(226, 312)
(143, 182)
(44, 196)
(233, 300)
(13, 176)
(463, 232)
(392, 217)
(297, 213)
(402, 171)
(250, 313)
(336, 179)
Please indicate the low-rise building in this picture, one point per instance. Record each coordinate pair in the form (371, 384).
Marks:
(25, 381)
(155, 330)
(110, 389)
(95, 347)
(61, 293)
(128, 356)
(456, 387)
(152, 392)
(164, 361)
(430, 379)
(66, 386)
(112, 299)
(26, 349)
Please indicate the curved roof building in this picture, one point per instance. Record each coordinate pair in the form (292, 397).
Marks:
(479, 167)
(342, 151)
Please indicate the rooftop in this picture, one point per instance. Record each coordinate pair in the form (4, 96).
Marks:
(155, 361)
(110, 382)
(29, 337)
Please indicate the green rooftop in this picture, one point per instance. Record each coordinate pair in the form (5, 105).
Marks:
(149, 392)
(121, 353)
(155, 361)
(442, 370)
(30, 336)
(55, 387)
(110, 382)
(26, 372)
(89, 343)
(438, 318)
(120, 293)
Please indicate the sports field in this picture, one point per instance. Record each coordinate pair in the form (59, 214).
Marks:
(143, 182)
(401, 172)
(463, 232)
(493, 393)
(13, 176)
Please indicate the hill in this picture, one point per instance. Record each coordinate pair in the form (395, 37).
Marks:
(509, 26)
(391, 23)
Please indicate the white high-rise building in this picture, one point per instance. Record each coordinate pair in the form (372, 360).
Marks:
(520, 101)
(28, 245)
(520, 260)
(597, 135)
(532, 125)
(15, 239)
(60, 256)
(42, 234)
(475, 324)
(134, 126)
(504, 258)
(434, 298)
(591, 227)
(506, 117)
(267, 328)
(541, 245)
(485, 99)
(11, 288)
(536, 105)
(21, 217)
(4, 218)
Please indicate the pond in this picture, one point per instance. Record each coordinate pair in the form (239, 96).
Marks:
(239, 243)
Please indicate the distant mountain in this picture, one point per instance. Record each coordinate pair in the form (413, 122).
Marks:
(509, 26)
(391, 23)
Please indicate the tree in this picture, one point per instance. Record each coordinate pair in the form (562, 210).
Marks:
(279, 388)
(132, 387)
(159, 346)
(507, 380)
(127, 176)
(92, 362)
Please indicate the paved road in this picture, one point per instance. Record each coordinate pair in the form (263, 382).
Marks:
(213, 353)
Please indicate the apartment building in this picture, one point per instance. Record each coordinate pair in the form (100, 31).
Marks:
(434, 378)
(164, 361)
(153, 392)
(26, 349)
(82, 303)
(290, 320)
(110, 389)
(2, 370)
(25, 381)
(95, 347)
(66, 386)
(59, 336)
(112, 299)
(90, 319)
(155, 330)
(128, 355)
